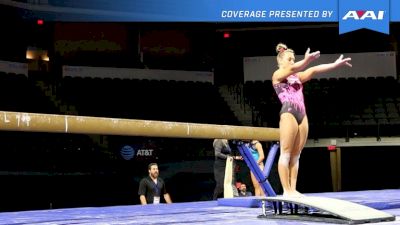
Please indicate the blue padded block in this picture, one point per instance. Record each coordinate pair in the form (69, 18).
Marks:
(248, 202)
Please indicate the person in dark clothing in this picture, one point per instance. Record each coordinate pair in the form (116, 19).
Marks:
(222, 152)
(152, 187)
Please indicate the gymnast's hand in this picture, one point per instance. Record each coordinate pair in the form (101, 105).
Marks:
(340, 61)
(311, 56)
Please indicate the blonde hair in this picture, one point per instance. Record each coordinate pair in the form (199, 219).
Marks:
(281, 49)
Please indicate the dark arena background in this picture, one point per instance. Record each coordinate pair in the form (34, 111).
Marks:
(209, 73)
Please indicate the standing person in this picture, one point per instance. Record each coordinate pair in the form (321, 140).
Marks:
(288, 81)
(222, 153)
(152, 187)
(257, 152)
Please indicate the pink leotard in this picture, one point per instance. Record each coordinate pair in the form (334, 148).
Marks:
(290, 93)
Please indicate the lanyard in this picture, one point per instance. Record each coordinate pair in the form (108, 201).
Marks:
(156, 189)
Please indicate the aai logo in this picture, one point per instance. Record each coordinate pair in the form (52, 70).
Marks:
(364, 14)
(368, 14)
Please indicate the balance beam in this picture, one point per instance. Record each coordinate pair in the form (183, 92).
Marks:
(52, 123)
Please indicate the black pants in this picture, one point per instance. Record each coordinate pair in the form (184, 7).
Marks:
(219, 176)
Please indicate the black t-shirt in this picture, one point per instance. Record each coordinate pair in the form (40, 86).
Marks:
(149, 189)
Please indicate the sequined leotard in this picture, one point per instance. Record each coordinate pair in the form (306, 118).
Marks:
(290, 93)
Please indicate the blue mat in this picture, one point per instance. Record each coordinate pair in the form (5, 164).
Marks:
(247, 202)
(194, 213)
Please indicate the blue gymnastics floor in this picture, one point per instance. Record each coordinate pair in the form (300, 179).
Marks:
(206, 212)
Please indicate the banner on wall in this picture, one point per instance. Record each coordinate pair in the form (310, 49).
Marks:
(129, 73)
(350, 14)
(14, 67)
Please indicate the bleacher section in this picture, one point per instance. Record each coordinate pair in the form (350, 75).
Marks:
(181, 101)
(20, 93)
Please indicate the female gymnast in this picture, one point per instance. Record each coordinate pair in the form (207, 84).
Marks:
(288, 81)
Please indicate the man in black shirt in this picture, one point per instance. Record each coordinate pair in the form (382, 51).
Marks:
(152, 187)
